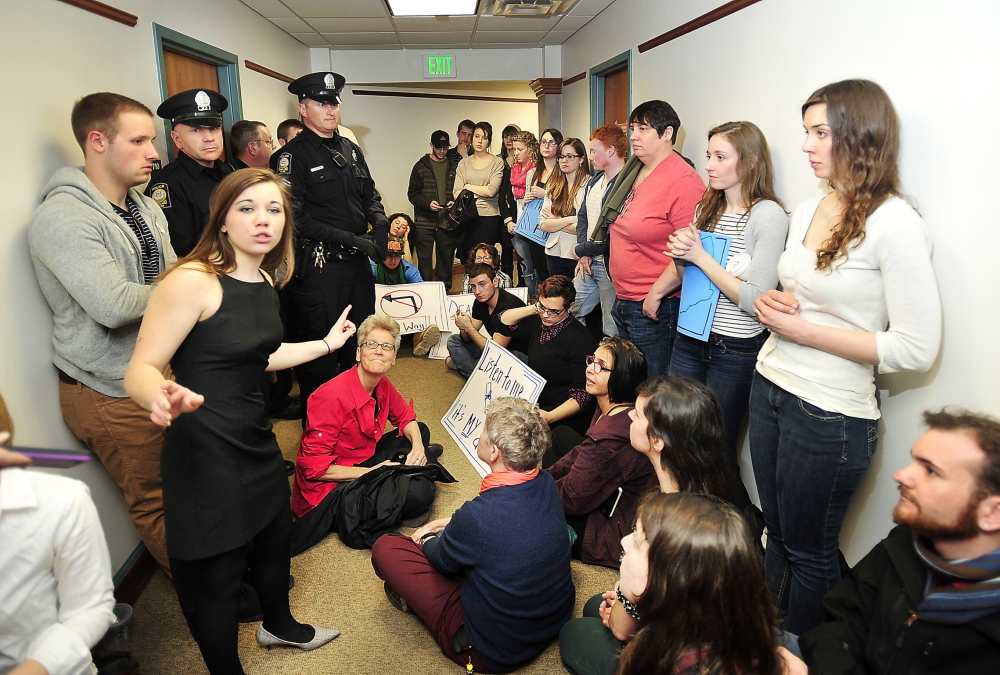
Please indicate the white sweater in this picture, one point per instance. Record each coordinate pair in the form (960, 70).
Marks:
(885, 286)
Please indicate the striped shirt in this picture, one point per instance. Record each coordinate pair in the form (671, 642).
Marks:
(150, 251)
(729, 319)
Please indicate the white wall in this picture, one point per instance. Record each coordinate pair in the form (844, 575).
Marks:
(53, 54)
(395, 132)
(937, 62)
(406, 65)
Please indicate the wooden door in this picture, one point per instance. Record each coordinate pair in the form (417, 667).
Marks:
(616, 95)
(185, 72)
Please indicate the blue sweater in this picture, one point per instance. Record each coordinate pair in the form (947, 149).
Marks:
(511, 546)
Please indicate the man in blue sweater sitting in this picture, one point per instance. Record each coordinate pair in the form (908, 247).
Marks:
(492, 582)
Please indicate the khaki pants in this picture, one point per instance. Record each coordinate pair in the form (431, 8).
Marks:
(128, 444)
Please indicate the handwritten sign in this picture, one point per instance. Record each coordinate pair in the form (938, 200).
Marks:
(413, 306)
(527, 224)
(498, 373)
(699, 296)
(463, 302)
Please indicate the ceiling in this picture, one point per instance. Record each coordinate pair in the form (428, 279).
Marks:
(367, 24)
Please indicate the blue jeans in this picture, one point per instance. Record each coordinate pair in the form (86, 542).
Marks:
(807, 462)
(593, 288)
(465, 355)
(526, 268)
(654, 338)
(726, 365)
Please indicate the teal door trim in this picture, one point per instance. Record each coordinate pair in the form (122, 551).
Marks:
(597, 75)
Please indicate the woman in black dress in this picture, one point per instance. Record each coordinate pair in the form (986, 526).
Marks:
(214, 318)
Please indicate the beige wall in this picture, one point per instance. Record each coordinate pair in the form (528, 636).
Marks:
(936, 62)
(53, 54)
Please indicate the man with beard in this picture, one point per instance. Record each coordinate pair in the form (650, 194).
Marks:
(927, 598)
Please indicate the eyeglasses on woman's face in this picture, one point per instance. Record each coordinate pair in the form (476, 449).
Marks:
(384, 346)
(548, 142)
(562, 157)
(593, 363)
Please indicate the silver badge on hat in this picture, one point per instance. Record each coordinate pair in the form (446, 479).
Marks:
(203, 101)
(330, 81)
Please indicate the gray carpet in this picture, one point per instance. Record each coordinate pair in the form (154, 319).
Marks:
(335, 585)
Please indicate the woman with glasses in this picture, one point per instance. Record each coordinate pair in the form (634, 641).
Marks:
(558, 346)
(481, 173)
(344, 440)
(545, 168)
(563, 198)
(484, 253)
(600, 476)
(214, 319)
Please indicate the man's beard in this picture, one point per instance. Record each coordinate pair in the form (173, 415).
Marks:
(964, 526)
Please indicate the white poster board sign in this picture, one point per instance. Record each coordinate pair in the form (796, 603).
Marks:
(462, 302)
(498, 373)
(413, 306)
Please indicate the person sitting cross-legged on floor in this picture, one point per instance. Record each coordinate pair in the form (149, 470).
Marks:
(338, 483)
(492, 583)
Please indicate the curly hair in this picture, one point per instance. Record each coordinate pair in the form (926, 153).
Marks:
(865, 133)
(530, 142)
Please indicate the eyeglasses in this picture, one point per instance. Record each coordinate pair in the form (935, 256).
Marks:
(386, 347)
(548, 312)
(269, 144)
(562, 157)
(601, 368)
(548, 143)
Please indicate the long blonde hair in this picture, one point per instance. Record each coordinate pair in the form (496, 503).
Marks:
(558, 188)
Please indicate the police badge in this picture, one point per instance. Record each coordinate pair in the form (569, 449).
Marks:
(160, 194)
(284, 163)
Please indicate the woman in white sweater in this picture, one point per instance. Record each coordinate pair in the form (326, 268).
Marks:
(859, 292)
(481, 174)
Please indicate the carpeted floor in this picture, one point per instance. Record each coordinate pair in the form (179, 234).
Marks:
(335, 585)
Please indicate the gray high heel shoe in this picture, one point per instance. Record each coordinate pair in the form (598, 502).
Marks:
(322, 636)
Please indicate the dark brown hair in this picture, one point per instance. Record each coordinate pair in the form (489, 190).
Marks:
(470, 259)
(753, 168)
(686, 416)
(558, 286)
(560, 192)
(705, 592)
(214, 252)
(102, 112)
(865, 134)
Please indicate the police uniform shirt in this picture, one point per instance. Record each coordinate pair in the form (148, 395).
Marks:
(183, 190)
(333, 203)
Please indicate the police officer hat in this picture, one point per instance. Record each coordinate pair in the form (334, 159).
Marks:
(324, 87)
(194, 107)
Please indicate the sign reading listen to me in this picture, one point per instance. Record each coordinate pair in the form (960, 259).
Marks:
(498, 373)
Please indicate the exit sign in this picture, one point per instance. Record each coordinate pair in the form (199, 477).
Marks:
(440, 65)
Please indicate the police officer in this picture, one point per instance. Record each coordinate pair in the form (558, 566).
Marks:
(335, 200)
(184, 187)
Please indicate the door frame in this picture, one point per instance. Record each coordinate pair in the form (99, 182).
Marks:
(225, 63)
(597, 75)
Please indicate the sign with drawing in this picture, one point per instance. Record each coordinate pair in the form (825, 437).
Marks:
(414, 306)
(498, 373)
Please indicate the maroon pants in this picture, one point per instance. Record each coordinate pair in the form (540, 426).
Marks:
(435, 598)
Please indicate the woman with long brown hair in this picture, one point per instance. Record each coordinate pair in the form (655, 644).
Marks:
(481, 173)
(859, 292)
(691, 598)
(740, 204)
(213, 318)
(563, 198)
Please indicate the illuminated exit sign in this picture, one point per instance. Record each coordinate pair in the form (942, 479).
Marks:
(440, 65)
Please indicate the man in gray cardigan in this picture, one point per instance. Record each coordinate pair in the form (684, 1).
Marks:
(97, 243)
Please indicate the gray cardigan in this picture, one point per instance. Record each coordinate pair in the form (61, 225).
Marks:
(89, 267)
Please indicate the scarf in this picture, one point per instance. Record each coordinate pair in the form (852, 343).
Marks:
(519, 178)
(501, 478)
(388, 277)
(976, 589)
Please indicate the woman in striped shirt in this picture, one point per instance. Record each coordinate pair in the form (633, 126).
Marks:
(740, 203)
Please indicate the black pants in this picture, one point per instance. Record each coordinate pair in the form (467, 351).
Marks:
(484, 229)
(209, 592)
(312, 527)
(445, 242)
(316, 297)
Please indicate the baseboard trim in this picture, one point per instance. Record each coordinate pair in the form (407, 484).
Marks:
(135, 575)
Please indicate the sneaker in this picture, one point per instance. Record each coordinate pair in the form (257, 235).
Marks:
(427, 341)
(396, 600)
(450, 363)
